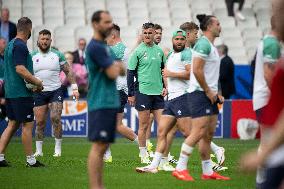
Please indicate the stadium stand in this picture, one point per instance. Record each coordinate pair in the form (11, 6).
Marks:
(70, 19)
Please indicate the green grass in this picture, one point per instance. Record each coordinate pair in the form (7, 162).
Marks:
(70, 170)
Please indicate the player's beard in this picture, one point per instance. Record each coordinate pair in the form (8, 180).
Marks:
(44, 50)
(176, 49)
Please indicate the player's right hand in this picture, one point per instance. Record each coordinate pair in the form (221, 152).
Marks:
(39, 86)
(212, 96)
(131, 100)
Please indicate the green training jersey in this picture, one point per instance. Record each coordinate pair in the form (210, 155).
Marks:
(148, 61)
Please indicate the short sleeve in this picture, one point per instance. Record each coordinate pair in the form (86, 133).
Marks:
(186, 56)
(114, 56)
(133, 61)
(271, 51)
(20, 54)
(101, 55)
(202, 49)
(62, 59)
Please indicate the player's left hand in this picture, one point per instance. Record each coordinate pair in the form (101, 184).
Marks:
(76, 94)
(250, 161)
(164, 92)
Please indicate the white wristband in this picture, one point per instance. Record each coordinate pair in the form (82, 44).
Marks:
(74, 86)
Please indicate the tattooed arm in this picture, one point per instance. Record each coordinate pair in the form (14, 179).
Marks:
(71, 78)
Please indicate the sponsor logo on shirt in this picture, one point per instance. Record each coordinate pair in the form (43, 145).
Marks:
(179, 112)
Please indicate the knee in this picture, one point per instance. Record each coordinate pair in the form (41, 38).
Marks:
(55, 120)
(161, 134)
(40, 124)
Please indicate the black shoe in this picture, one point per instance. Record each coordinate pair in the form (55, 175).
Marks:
(4, 163)
(37, 164)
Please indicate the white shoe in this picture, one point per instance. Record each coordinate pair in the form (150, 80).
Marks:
(166, 167)
(216, 167)
(57, 154)
(240, 16)
(220, 155)
(145, 159)
(37, 154)
(172, 159)
(146, 170)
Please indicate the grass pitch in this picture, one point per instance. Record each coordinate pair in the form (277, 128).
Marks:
(69, 171)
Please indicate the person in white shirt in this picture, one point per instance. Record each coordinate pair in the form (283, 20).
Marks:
(203, 88)
(47, 65)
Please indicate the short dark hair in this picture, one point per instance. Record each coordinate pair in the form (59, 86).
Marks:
(189, 26)
(23, 24)
(204, 20)
(158, 27)
(147, 25)
(44, 32)
(116, 27)
(96, 17)
(223, 48)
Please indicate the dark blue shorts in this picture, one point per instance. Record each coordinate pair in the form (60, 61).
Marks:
(148, 102)
(102, 125)
(258, 114)
(178, 107)
(20, 109)
(200, 105)
(47, 97)
(123, 100)
(273, 178)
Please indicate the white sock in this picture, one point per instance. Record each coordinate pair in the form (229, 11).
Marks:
(143, 151)
(136, 140)
(2, 157)
(57, 148)
(108, 152)
(214, 147)
(156, 160)
(31, 159)
(183, 158)
(260, 171)
(207, 167)
(39, 146)
(163, 161)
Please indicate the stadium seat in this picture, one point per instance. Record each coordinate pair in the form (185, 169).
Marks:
(74, 4)
(83, 32)
(32, 12)
(221, 12)
(137, 4)
(116, 4)
(262, 4)
(248, 23)
(162, 21)
(53, 4)
(138, 13)
(137, 22)
(32, 3)
(159, 13)
(178, 4)
(75, 21)
(122, 22)
(252, 33)
(118, 12)
(95, 4)
(64, 38)
(233, 42)
(227, 22)
(157, 4)
(53, 21)
(128, 31)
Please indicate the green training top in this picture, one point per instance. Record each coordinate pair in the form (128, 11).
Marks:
(148, 61)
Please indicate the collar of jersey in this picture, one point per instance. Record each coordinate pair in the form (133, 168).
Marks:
(45, 52)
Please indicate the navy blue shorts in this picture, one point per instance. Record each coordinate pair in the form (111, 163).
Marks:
(123, 100)
(20, 109)
(102, 125)
(148, 102)
(47, 97)
(273, 178)
(178, 107)
(200, 105)
(258, 114)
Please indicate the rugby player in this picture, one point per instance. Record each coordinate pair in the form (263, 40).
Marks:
(18, 70)
(121, 53)
(146, 64)
(268, 52)
(47, 64)
(176, 109)
(203, 99)
(103, 98)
